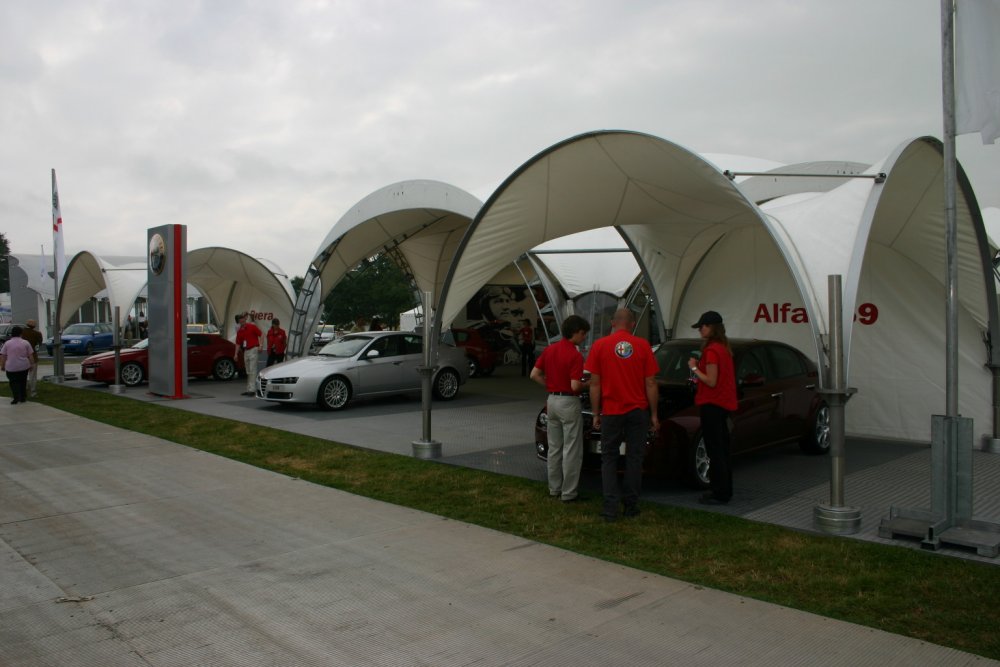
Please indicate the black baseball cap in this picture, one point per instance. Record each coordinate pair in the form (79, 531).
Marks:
(708, 317)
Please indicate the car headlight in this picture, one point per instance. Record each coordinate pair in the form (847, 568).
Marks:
(543, 420)
(282, 380)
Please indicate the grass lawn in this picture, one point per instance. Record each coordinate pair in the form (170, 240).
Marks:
(935, 598)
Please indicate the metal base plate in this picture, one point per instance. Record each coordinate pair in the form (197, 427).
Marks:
(837, 520)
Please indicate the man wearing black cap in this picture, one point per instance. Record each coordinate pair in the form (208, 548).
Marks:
(715, 397)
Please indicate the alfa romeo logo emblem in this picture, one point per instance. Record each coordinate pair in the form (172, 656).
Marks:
(623, 349)
(157, 254)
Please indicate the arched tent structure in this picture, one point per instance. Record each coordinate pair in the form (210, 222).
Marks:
(87, 274)
(588, 261)
(702, 242)
(230, 280)
(419, 223)
(234, 282)
(596, 270)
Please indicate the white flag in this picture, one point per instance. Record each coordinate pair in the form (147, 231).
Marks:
(58, 250)
(977, 68)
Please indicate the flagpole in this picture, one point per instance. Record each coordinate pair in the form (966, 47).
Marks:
(950, 179)
(57, 247)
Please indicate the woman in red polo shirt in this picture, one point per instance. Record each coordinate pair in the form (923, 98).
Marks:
(716, 397)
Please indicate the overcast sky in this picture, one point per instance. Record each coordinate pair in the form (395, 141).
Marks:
(259, 123)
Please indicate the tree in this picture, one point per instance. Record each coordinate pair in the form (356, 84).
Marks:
(375, 288)
(4, 264)
(297, 284)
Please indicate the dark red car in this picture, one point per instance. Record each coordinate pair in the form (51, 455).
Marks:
(778, 403)
(209, 355)
(480, 347)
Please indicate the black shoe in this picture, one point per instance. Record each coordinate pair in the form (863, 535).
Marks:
(247, 393)
(571, 500)
(14, 402)
(631, 511)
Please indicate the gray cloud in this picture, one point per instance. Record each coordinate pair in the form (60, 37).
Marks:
(258, 124)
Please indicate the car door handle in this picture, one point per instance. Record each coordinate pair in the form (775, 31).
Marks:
(778, 394)
(810, 386)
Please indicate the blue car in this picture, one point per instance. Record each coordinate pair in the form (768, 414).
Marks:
(85, 338)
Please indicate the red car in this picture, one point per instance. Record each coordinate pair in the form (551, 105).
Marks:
(209, 355)
(480, 347)
(778, 403)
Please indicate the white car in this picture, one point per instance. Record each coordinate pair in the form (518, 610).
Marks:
(374, 363)
(325, 333)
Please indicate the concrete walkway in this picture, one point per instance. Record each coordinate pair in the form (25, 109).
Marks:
(117, 548)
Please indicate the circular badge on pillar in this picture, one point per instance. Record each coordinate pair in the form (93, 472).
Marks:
(157, 254)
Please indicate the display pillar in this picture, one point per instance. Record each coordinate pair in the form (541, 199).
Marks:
(166, 310)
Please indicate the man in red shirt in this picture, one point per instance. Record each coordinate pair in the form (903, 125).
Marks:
(560, 371)
(624, 397)
(248, 338)
(277, 340)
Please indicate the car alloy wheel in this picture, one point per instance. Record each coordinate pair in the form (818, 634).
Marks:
(224, 369)
(334, 393)
(132, 374)
(446, 384)
(699, 463)
(817, 440)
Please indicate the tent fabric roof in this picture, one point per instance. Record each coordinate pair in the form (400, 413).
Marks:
(703, 242)
(424, 220)
(228, 279)
(629, 180)
(574, 261)
(421, 221)
(87, 274)
(234, 282)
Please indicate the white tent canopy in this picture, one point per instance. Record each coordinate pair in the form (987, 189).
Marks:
(593, 261)
(230, 280)
(420, 223)
(704, 243)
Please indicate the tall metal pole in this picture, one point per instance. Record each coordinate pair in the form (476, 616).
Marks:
(427, 447)
(950, 178)
(836, 518)
(117, 387)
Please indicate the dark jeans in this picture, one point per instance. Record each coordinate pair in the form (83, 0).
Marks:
(275, 358)
(715, 429)
(527, 358)
(18, 385)
(632, 428)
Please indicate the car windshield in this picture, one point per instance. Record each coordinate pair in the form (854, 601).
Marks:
(673, 358)
(79, 329)
(345, 347)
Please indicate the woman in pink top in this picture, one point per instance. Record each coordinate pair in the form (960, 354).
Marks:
(17, 358)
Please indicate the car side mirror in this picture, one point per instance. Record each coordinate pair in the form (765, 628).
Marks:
(371, 354)
(752, 380)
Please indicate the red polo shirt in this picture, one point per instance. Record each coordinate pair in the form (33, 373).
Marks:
(723, 393)
(277, 339)
(623, 362)
(248, 336)
(561, 363)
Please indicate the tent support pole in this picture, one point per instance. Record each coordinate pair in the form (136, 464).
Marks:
(836, 518)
